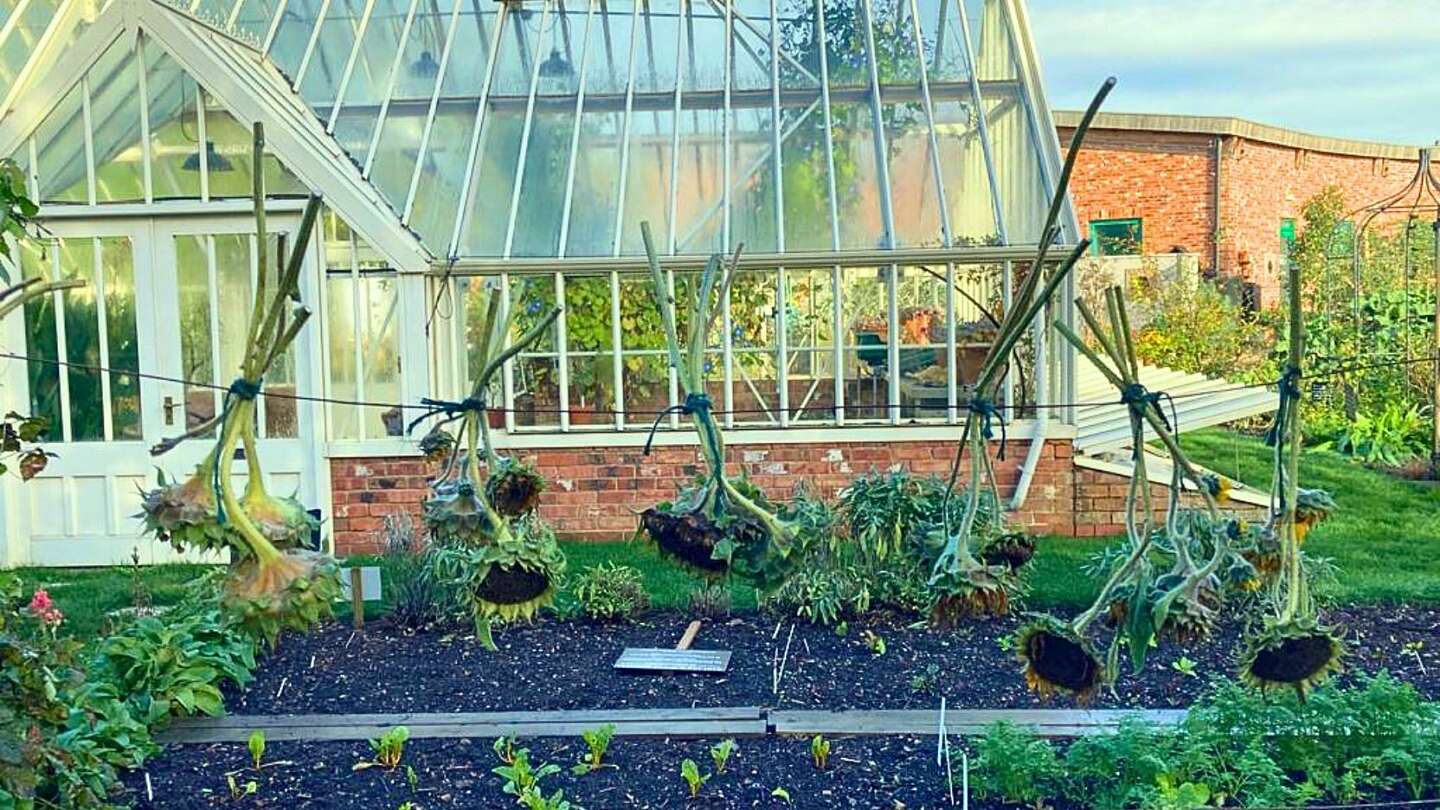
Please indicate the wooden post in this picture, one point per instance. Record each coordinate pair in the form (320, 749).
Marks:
(357, 597)
(689, 637)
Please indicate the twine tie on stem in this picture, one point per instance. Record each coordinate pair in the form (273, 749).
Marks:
(695, 403)
(1138, 398)
(240, 390)
(448, 410)
(989, 414)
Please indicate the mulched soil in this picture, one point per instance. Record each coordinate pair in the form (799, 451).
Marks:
(567, 665)
(863, 772)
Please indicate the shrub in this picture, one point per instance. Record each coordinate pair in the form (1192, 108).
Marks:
(1391, 436)
(61, 737)
(1196, 327)
(610, 592)
(174, 667)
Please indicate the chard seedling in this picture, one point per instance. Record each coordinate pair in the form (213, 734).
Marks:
(690, 772)
(597, 742)
(521, 780)
(505, 749)
(721, 752)
(412, 778)
(256, 746)
(820, 752)
(389, 749)
(874, 642)
(1185, 666)
(782, 794)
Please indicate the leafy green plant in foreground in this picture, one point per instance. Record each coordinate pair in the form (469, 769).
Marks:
(597, 742)
(721, 752)
(694, 780)
(611, 592)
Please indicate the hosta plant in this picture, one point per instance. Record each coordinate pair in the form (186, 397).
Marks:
(272, 583)
(500, 558)
(723, 525)
(962, 582)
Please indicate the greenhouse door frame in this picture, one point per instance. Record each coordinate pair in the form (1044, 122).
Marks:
(80, 510)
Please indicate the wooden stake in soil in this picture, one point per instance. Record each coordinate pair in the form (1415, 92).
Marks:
(690, 633)
(357, 598)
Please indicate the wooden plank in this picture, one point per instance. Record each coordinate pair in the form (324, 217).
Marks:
(648, 659)
(1056, 722)
(689, 637)
(651, 728)
(413, 719)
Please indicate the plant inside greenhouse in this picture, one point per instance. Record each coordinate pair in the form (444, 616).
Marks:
(603, 404)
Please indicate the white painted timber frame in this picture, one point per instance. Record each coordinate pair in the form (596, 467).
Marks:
(250, 88)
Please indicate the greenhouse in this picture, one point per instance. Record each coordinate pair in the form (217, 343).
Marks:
(880, 163)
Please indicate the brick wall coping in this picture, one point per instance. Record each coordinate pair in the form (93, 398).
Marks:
(1159, 473)
(1241, 128)
(1022, 429)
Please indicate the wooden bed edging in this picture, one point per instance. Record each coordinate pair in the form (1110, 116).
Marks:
(744, 721)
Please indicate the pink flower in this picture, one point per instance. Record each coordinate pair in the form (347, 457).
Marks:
(40, 602)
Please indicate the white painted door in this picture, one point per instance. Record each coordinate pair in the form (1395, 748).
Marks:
(176, 298)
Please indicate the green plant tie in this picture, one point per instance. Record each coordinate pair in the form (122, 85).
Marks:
(240, 390)
(1139, 398)
(695, 403)
(448, 410)
(989, 414)
(1289, 398)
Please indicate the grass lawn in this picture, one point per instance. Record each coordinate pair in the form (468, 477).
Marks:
(1385, 539)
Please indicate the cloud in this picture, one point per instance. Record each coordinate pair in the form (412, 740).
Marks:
(1370, 71)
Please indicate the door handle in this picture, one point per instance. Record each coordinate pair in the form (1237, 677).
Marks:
(169, 406)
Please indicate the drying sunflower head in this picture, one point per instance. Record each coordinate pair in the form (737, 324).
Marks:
(1218, 486)
(437, 444)
(510, 580)
(1191, 606)
(1299, 654)
(290, 593)
(454, 513)
(285, 522)
(513, 488)
(1055, 660)
(1311, 507)
(1012, 549)
(184, 515)
(971, 591)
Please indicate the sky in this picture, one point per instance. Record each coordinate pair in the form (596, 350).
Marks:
(1368, 70)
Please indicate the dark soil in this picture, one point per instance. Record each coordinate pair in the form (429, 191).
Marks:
(567, 665)
(863, 772)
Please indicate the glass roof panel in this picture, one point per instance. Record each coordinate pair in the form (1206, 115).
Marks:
(114, 84)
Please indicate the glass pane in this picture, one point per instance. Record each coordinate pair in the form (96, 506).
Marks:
(28, 28)
(37, 261)
(197, 348)
(924, 374)
(297, 22)
(752, 195)
(589, 350)
(647, 181)
(82, 341)
(370, 78)
(330, 55)
(806, 172)
(751, 27)
(810, 343)
(340, 323)
(597, 185)
(699, 215)
(547, 153)
(61, 141)
(255, 17)
(438, 193)
(753, 348)
(536, 370)
(117, 265)
(115, 121)
(1017, 161)
(280, 411)
(229, 155)
(856, 179)
(867, 334)
(174, 127)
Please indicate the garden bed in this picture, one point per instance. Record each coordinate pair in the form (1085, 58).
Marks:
(567, 665)
(868, 772)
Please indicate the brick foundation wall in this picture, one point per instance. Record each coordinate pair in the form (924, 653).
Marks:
(595, 492)
(1099, 505)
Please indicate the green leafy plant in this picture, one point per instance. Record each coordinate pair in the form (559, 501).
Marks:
(711, 601)
(523, 781)
(237, 791)
(256, 746)
(388, 750)
(694, 780)
(1016, 767)
(1173, 795)
(415, 598)
(597, 742)
(782, 794)
(927, 680)
(1185, 666)
(820, 752)
(874, 642)
(721, 752)
(611, 592)
(174, 666)
(1391, 436)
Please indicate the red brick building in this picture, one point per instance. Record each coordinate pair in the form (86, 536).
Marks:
(1221, 188)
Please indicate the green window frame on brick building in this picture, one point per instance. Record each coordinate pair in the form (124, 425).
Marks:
(1117, 237)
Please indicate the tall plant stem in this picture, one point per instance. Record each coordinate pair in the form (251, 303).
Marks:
(1291, 437)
